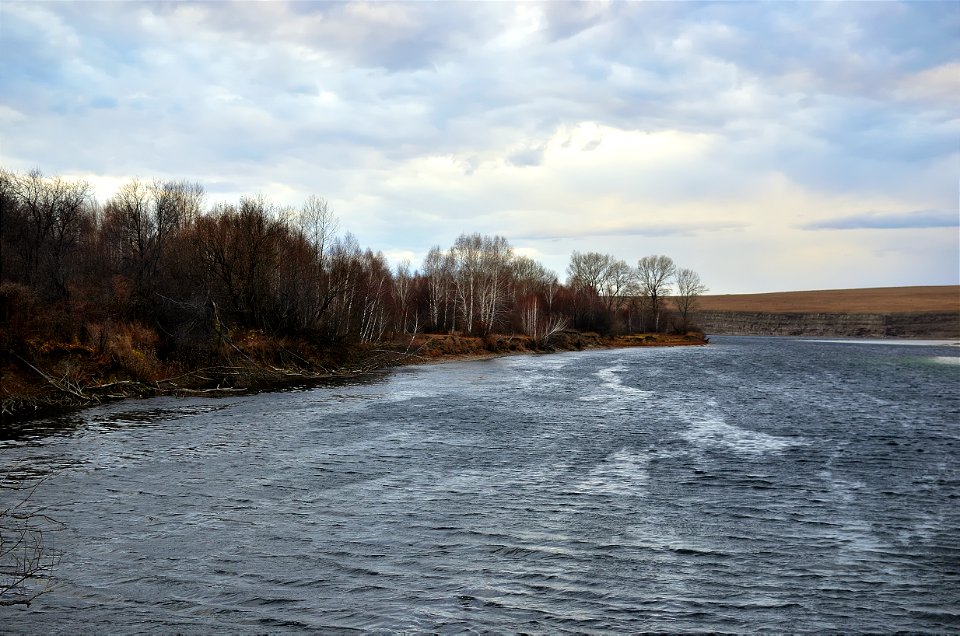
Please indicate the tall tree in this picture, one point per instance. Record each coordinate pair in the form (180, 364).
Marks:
(497, 255)
(43, 218)
(317, 225)
(689, 289)
(403, 289)
(141, 222)
(654, 274)
(618, 284)
(588, 271)
(466, 275)
(481, 272)
(438, 271)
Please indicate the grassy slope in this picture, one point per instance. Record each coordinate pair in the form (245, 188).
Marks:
(879, 300)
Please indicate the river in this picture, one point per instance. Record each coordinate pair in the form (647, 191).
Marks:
(755, 484)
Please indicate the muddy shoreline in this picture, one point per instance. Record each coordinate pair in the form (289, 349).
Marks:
(40, 388)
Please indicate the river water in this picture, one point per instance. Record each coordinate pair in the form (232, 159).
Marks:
(755, 484)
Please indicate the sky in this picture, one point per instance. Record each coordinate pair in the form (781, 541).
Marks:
(769, 146)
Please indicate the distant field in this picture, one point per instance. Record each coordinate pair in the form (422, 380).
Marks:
(879, 300)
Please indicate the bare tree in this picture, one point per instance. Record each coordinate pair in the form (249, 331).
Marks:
(588, 270)
(27, 552)
(344, 254)
(495, 268)
(318, 224)
(654, 274)
(403, 288)
(618, 284)
(438, 270)
(529, 277)
(375, 282)
(45, 226)
(467, 256)
(689, 289)
(586, 274)
(536, 324)
(132, 231)
(141, 223)
(241, 248)
(175, 204)
(481, 273)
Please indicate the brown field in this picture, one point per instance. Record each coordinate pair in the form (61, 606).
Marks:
(878, 300)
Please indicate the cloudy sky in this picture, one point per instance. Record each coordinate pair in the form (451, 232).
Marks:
(769, 146)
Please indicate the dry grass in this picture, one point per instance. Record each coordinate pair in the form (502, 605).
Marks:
(879, 300)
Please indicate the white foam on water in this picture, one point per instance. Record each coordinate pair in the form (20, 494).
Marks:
(951, 360)
(537, 361)
(537, 373)
(613, 382)
(409, 385)
(708, 428)
(881, 341)
(620, 473)
(612, 395)
(853, 535)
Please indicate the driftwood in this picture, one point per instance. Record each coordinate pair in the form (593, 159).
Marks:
(251, 375)
(63, 386)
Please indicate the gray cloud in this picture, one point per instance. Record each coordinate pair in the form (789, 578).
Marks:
(532, 156)
(886, 221)
(632, 229)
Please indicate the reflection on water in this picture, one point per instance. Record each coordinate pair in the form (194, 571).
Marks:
(39, 429)
(757, 484)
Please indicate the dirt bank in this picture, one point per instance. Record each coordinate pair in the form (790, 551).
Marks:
(885, 312)
(51, 378)
(896, 325)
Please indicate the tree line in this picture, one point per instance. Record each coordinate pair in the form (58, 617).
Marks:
(157, 256)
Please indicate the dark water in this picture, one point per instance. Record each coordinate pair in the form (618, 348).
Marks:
(757, 484)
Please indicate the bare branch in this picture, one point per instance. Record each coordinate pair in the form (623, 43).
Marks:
(27, 552)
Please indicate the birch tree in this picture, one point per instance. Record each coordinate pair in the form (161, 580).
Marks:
(403, 289)
(438, 271)
(496, 256)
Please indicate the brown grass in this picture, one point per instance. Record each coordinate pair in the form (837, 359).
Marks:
(879, 300)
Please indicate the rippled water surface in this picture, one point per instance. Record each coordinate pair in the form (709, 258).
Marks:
(755, 484)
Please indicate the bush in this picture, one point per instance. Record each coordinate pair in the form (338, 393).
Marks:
(131, 345)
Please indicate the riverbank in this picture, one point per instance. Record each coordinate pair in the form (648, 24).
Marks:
(832, 325)
(43, 380)
(884, 312)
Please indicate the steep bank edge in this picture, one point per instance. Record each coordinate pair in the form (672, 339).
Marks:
(865, 325)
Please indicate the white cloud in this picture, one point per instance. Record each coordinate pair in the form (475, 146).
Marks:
(711, 130)
(939, 85)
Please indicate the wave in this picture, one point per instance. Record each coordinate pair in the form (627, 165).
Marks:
(621, 473)
(613, 382)
(708, 428)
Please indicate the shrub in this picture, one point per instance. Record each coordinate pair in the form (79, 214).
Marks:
(131, 345)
